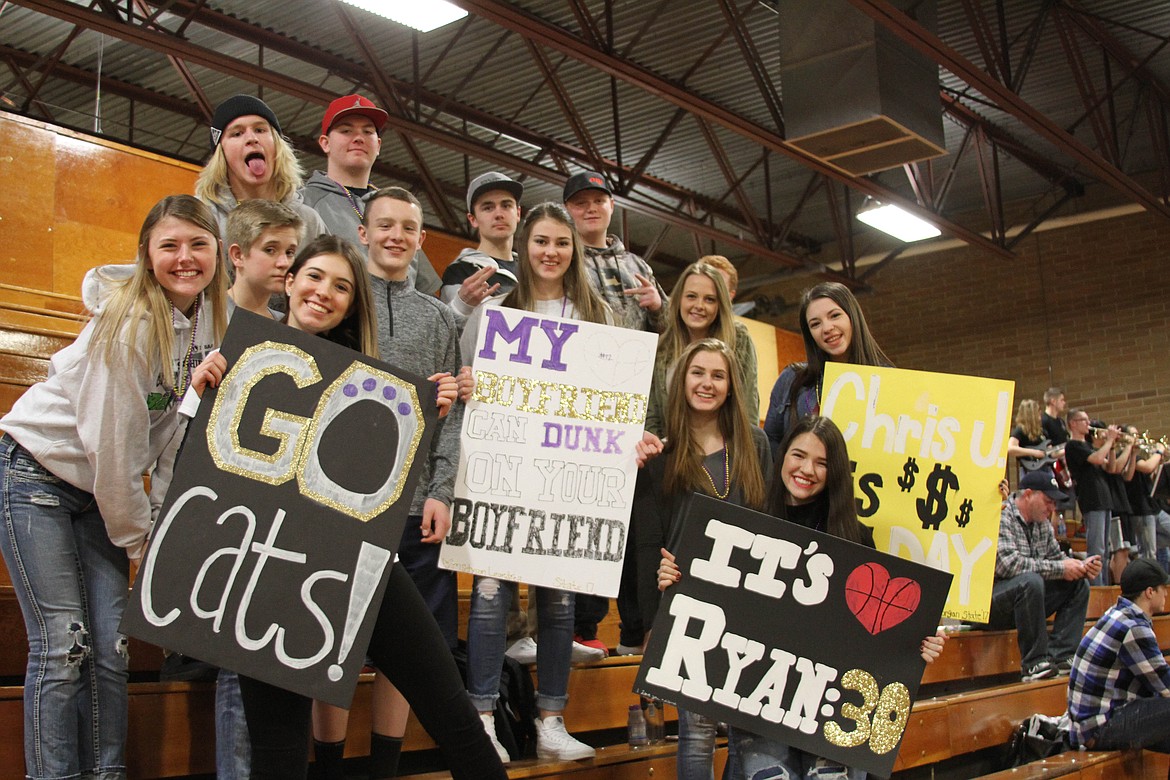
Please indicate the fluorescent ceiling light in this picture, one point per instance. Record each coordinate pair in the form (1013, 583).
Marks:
(422, 15)
(897, 222)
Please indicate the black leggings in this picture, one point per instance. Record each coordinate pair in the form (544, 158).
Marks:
(409, 649)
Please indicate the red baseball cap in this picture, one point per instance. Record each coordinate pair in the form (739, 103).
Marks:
(353, 104)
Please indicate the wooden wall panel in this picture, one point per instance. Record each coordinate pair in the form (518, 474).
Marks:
(441, 248)
(78, 247)
(93, 195)
(789, 348)
(114, 186)
(28, 169)
(765, 338)
(103, 193)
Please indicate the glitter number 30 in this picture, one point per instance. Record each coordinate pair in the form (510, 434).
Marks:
(880, 719)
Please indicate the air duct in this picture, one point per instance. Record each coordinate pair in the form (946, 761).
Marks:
(855, 96)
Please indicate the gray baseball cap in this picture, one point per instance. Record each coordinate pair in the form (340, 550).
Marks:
(492, 180)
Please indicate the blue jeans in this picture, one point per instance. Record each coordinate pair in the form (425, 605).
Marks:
(770, 759)
(1024, 603)
(1096, 523)
(1162, 528)
(1141, 723)
(71, 583)
(1143, 530)
(233, 750)
(696, 746)
(1162, 535)
(486, 629)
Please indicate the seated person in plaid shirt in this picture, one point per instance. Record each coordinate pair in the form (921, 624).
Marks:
(1034, 579)
(1119, 690)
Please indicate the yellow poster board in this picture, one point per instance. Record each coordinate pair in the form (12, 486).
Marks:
(930, 450)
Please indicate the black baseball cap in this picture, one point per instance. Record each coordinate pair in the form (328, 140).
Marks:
(1043, 482)
(586, 180)
(1141, 574)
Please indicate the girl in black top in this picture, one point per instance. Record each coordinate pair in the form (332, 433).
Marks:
(713, 448)
(328, 292)
(812, 486)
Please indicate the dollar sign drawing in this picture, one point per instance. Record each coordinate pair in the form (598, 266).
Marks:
(933, 508)
(906, 481)
(964, 513)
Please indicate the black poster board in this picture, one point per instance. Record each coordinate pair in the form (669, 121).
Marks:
(793, 634)
(290, 495)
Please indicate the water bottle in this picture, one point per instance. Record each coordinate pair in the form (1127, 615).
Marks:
(636, 727)
(655, 725)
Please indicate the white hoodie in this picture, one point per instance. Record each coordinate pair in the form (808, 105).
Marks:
(93, 425)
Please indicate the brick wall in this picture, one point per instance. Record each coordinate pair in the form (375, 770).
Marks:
(1084, 307)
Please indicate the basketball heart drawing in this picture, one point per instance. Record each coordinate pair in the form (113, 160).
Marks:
(614, 361)
(878, 602)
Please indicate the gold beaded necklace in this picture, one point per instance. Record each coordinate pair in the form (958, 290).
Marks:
(726, 476)
(187, 364)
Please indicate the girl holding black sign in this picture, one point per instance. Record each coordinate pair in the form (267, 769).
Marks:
(551, 281)
(713, 448)
(71, 464)
(812, 485)
(834, 329)
(329, 295)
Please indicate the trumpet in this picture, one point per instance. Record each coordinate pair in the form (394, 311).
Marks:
(1144, 440)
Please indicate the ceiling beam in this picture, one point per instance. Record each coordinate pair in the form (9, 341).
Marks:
(532, 27)
(390, 98)
(936, 49)
(165, 44)
(358, 73)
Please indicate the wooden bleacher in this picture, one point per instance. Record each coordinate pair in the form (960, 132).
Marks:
(33, 326)
(175, 720)
(969, 705)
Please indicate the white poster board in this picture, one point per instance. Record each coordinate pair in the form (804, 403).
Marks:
(546, 469)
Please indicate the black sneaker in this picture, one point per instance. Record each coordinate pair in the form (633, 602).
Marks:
(1064, 668)
(1040, 671)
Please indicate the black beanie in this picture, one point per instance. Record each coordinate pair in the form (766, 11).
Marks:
(235, 107)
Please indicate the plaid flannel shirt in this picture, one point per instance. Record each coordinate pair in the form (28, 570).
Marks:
(1118, 661)
(1025, 546)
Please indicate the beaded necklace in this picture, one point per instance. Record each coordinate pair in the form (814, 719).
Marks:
(726, 476)
(186, 367)
(352, 201)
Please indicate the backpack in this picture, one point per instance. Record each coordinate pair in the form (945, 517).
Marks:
(1037, 736)
(515, 709)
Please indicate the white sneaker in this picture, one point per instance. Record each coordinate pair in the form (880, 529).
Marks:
(489, 725)
(553, 743)
(584, 654)
(523, 650)
(629, 649)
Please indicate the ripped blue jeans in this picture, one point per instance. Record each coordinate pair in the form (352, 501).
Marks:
(764, 758)
(487, 634)
(71, 583)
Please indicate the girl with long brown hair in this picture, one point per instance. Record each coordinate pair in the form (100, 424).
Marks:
(712, 447)
(812, 486)
(834, 329)
(551, 281)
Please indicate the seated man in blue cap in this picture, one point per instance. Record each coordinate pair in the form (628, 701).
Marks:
(1119, 689)
(1035, 579)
